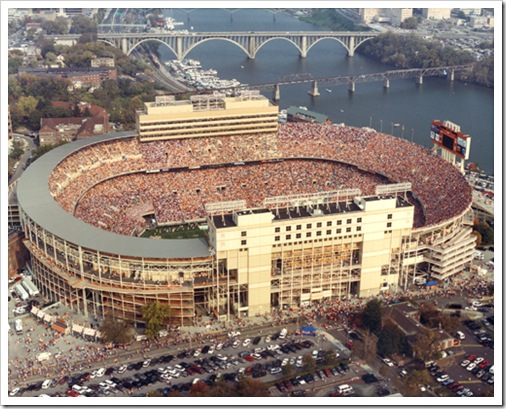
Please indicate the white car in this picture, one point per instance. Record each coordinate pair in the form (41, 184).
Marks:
(443, 378)
(275, 370)
(465, 362)
(221, 357)
(122, 369)
(100, 372)
(477, 304)
(422, 388)
(46, 384)
(267, 339)
(110, 383)
(246, 342)
(234, 334)
(301, 380)
(273, 347)
(146, 363)
(219, 346)
(284, 362)
(388, 362)
(471, 366)
(236, 344)
(211, 349)
(479, 360)
(162, 370)
(14, 392)
(197, 352)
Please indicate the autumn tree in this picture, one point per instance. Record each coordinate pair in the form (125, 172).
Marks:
(116, 331)
(288, 370)
(155, 315)
(329, 357)
(426, 345)
(250, 387)
(199, 389)
(415, 378)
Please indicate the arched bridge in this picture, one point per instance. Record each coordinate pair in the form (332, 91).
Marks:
(181, 43)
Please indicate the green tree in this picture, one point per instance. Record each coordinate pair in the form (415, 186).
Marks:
(58, 26)
(27, 109)
(82, 24)
(410, 23)
(156, 316)
(371, 316)
(391, 340)
(116, 331)
(16, 150)
(308, 363)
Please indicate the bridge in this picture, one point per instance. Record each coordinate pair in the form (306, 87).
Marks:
(352, 80)
(181, 43)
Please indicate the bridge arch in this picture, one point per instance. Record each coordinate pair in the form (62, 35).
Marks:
(276, 38)
(185, 53)
(150, 39)
(107, 42)
(328, 38)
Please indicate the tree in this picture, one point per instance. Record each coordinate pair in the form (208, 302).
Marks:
(366, 349)
(82, 24)
(154, 394)
(391, 340)
(27, 109)
(329, 357)
(116, 331)
(478, 237)
(155, 315)
(288, 370)
(426, 346)
(410, 23)
(16, 150)
(371, 316)
(199, 389)
(250, 387)
(487, 233)
(416, 378)
(308, 363)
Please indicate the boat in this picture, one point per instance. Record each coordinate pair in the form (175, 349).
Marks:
(328, 90)
(397, 125)
(304, 108)
(341, 110)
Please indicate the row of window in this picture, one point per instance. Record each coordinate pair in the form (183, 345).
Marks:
(317, 240)
(318, 233)
(318, 225)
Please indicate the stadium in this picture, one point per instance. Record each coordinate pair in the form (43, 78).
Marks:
(285, 217)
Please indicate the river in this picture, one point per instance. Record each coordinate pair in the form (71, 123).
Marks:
(405, 103)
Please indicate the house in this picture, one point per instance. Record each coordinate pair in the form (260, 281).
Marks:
(298, 114)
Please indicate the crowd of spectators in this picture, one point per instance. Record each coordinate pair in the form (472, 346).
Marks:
(78, 182)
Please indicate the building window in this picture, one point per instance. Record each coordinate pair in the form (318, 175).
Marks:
(359, 228)
(359, 220)
(348, 221)
(288, 236)
(389, 216)
(243, 242)
(308, 226)
(277, 229)
(339, 222)
(308, 234)
(243, 234)
(329, 232)
(319, 224)
(299, 227)
(288, 228)
(276, 238)
(348, 229)
(389, 224)
(298, 235)
(329, 223)
(319, 233)
(338, 231)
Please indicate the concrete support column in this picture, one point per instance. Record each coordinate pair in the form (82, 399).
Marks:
(451, 75)
(179, 48)
(419, 80)
(303, 53)
(124, 45)
(386, 83)
(351, 47)
(314, 91)
(276, 96)
(351, 86)
(251, 48)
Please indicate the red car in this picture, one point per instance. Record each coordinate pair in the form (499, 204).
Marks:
(327, 373)
(471, 358)
(72, 393)
(483, 364)
(248, 358)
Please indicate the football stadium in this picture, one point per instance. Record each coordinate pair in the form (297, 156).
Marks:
(284, 213)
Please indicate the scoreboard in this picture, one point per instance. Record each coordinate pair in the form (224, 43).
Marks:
(447, 135)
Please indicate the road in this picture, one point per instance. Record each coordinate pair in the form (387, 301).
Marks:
(29, 147)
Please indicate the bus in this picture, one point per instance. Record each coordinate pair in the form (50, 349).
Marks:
(19, 327)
